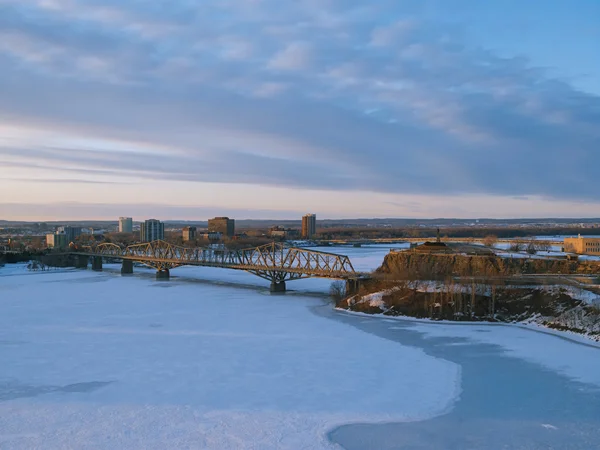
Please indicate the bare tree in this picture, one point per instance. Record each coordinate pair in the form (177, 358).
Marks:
(490, 240)
(544, 246)
(532, 247)
(337, 290)
(517, 245)
(492, 312)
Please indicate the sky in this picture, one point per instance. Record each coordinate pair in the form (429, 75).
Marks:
(183, 109)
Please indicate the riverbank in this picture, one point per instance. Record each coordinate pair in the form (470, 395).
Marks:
(562, 309)
(556, 294)
(525, 325)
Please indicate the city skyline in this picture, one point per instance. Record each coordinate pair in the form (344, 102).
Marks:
(277, 108)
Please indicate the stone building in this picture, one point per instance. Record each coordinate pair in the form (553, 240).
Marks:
(582, 246)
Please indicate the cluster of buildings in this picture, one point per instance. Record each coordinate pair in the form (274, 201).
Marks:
(307, 230)
(217, 229)
(62, 237)
(153, 229)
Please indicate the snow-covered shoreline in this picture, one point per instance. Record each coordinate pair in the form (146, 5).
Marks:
(526, 325)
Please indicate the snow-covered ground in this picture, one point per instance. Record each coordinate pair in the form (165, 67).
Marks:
(210, 359)
(96, 360)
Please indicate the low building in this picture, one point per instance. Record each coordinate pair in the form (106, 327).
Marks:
(189, 234)
(582, 246)
(223, 225)
(283, 233)
(152, 230)
(213, 236)
(57, 240)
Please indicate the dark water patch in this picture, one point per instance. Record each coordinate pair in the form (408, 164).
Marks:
(89, 386)
(506, 402)
(12, 342)
(98, 278)
(11, 390)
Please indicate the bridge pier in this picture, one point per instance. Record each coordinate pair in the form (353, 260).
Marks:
(163, 274)
(127, 267)
(353, 285)
(81, 262)
(277, 286)
(97, 263)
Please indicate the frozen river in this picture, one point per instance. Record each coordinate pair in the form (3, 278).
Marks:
(210, 359)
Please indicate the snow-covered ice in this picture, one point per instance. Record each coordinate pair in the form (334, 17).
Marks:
(96, 360)
(578, 362)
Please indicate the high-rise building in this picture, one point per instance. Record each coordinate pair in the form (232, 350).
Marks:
(71, 233)
(57, 240)
(152, 230)
(125, 225)
(223, 225)
(309, 226)
(189, 234)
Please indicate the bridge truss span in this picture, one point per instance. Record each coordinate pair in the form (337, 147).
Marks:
(275, 261)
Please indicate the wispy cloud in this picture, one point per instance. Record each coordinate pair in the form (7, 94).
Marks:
(272, 92)
(63, 181)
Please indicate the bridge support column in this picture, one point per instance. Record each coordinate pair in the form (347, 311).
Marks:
(81, 262)
(353, 285)
(277, 286)
(127, 267)
(97, 263)
(163, 274)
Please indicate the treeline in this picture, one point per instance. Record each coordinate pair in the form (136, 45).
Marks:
(467, 232)
(11, 258)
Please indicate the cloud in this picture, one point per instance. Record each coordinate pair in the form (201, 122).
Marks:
(274, 93)
(76, 210)
(393, 34)
(62, 181)
(296, 56)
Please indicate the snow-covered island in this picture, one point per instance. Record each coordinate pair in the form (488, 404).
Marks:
(461, 287)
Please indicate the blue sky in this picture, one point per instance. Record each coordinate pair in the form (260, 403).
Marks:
(272, 108)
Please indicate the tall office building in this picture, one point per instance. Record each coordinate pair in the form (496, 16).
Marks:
(71, 233)
(309, 226)
(125, 225)
(189, 234)
(223, 225)
(152, 230)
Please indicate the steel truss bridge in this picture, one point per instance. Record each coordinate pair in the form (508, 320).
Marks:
(274, 262)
